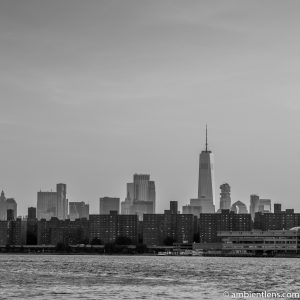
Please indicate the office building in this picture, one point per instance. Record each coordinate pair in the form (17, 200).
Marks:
(5, 205)
(206, 184)
(264, 205)
(46, 205)
(259, 205)
(31, 213)
(53, 204)
(127, 204)
(270, 243)
(191, 209)
(277, 207)
(254, 205)
(78, 210)
(225, 199)
(239, 207)
(140, 196)
(10, 215)
(108, 204)
(62, 201)
(12, 205)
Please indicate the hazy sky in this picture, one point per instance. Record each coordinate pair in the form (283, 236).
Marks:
(92, 92)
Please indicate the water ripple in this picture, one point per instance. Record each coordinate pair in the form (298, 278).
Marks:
(142, 277)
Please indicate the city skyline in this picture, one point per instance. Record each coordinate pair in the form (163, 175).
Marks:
(91, 94)
(207, 183)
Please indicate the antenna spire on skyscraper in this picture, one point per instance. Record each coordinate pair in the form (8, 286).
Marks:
(206, 138)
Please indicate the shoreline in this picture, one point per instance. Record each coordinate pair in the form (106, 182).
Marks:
(143, 254)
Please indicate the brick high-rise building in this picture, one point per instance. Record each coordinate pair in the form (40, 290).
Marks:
(279, 220)
(171, 225)
(211, 224)
(108, 228)
(62, 231)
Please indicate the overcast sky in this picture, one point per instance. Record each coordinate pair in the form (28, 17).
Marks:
(92, 92)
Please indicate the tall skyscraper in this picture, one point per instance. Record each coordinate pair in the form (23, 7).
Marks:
(141, 187)
(130, 192)
(254, 205)
(259, 205)
(31, 213)
(46, 205)
(108, 204)
(53, 204)
(127, 204)
(62, 201)
(206, 184)
(225, 199)
(5, 205)
(152, 195)
(12, 205)
(141, 196)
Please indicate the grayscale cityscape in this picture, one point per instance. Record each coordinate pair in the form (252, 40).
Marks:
(149, 149)
(133, 226)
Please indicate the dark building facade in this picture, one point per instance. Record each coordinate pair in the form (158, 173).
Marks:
(13, 232)
(278, 220)
(66, 232)
(270, 243)
(159, 229)
(31, 213)
(226, 220)
(107, 228)
(4, 233)
(10, 215)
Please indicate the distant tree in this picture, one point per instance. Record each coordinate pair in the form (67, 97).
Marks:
(141, 248)
(61, 247)
(109, 248)
(8, 248)
(123, 240)
(96, 241)
(169, 241)
(85, 241)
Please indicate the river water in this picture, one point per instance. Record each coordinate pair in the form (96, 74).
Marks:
(143, 277)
